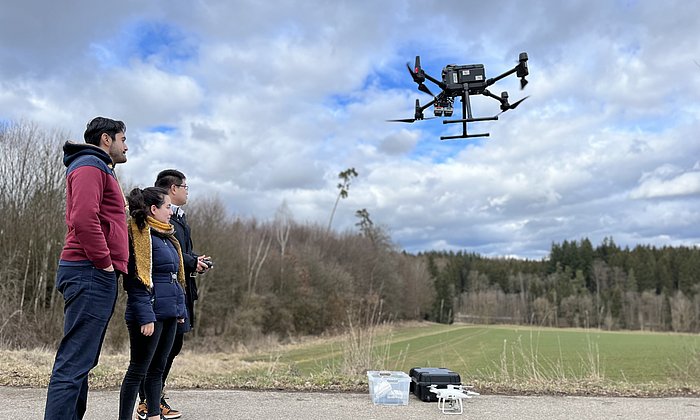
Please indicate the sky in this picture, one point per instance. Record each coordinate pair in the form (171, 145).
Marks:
(263, 103)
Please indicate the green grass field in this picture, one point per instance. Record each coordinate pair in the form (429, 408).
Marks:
(496, 359)
(511, 353)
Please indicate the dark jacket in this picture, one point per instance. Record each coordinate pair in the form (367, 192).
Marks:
(95, 209)
(165, 300)
(189, 258)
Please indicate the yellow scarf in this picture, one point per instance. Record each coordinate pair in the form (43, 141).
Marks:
(143, 249)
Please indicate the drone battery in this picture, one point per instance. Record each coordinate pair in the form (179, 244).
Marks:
(454, 76)
(473, 73)
(423, 378)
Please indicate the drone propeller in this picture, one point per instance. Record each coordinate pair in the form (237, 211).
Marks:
(413, 75)
(405, 120)
(418, 116)
(505, 106)
(513, 106)
(418, 76)
(411, 120)
(416, 73)
(417, 68)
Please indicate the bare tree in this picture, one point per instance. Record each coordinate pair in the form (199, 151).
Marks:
(601, 274)
(681, 312)
(283, 219)
(31, 230)
(257, 254)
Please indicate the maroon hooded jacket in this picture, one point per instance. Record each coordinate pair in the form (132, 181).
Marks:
(95, 209)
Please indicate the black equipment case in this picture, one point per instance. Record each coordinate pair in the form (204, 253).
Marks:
(422, 378)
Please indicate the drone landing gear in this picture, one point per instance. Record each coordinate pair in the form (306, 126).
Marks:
(467, 110)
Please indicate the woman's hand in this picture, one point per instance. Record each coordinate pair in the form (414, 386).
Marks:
(181, 320)
(147, 329)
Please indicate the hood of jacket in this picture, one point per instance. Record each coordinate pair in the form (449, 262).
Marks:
(72, 151)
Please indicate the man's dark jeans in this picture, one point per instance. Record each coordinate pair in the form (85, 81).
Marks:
(148, 358)
(89, 295)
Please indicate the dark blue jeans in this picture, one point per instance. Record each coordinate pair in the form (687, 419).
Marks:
(148, 358)
(89, 295)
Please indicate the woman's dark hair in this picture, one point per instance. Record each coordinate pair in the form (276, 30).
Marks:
(141, 200)
(100, 125)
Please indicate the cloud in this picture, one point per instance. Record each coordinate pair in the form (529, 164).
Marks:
(667, 181)
(262, 103)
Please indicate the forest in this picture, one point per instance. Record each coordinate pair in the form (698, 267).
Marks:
(282, 279)
(578, 285)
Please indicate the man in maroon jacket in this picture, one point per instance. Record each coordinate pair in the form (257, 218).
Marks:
(96, 251)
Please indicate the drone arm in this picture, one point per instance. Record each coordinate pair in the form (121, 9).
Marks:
(521, 70)
(434, 80)
(493, 80)
(424, 107)
(491, 95)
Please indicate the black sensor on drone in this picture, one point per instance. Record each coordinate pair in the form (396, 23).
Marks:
(463, 81)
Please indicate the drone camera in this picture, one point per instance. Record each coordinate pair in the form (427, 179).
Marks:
(446, 110)
(443, 106)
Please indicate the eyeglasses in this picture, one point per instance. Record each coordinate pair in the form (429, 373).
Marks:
(187, 187)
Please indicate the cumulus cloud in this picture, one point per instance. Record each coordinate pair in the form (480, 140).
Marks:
(666, 181)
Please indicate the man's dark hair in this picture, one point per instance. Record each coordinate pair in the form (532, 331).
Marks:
(169, 177)
(100, 125)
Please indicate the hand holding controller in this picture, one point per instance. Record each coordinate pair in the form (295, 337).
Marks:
(204, 263)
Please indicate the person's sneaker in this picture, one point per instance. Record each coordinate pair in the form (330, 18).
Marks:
(167, 412)
(142, 410)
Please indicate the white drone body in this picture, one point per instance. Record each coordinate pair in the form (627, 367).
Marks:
(450, 398)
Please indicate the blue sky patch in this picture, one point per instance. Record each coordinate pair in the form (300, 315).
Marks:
(167, 42)
(165, 129)
(162, 44)
(431, 147)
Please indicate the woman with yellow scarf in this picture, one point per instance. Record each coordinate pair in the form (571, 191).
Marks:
(156, 297)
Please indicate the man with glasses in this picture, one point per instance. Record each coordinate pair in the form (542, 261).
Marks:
(175, 183)
(95, 252)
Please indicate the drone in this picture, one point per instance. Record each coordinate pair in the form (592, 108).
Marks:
(450, 398)
(463, 81)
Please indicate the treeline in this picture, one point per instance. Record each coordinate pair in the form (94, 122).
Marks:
(275, 278)
(579, 285)
(284, 279)
(288, 279)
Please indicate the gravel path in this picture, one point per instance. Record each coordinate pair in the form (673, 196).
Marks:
(26, 403)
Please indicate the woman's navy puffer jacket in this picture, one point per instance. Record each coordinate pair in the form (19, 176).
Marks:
(166, 299)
